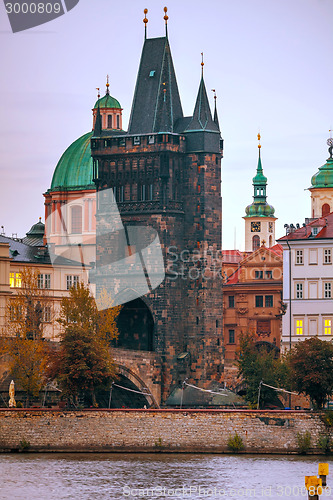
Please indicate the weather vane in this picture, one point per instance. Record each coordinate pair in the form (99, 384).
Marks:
(145, 20)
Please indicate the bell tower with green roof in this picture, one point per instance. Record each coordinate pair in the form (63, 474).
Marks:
(259, 218)
(322, 186)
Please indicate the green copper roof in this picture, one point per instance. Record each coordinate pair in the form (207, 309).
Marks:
(75, 168)
(324, 177)
(107, 102)
(259, 178)
(259, 207)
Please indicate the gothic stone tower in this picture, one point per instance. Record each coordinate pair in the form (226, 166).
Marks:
(165, 173)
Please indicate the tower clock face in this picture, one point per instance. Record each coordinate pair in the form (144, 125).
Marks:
(255, 227)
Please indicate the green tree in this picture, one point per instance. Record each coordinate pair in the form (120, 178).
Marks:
(22, 338)
(83, 364)
(256, 364)
(311, 365)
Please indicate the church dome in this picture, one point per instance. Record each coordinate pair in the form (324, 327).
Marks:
(37, 229)
(107, 101)
(74, 170)
(260, 210)
(324, 177)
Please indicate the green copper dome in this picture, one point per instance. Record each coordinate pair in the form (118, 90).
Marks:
(107, 102)
(259, 207)
(75, 168)
(324, 177)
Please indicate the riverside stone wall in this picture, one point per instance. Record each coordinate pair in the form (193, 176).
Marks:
(202, 431)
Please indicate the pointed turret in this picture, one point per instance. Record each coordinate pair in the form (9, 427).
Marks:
(216, 118)
(156, 103)
(98, 123)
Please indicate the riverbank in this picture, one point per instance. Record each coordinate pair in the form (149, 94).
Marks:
(163, 431)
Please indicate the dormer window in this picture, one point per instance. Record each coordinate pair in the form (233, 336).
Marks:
(152, 74)
(315, 231)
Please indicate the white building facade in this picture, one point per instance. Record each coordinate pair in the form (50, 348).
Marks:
(308, 282)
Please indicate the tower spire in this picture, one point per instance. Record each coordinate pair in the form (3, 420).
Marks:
(166, 17)
(202, 63)
(107, 85)
(216, 118)
(145, 20)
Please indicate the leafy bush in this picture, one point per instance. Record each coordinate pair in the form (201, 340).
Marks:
(327, 418)
(235, 443)
(324, 444)
(304, 442)
(24, 445)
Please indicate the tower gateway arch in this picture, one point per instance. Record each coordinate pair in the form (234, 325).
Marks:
(158, 226)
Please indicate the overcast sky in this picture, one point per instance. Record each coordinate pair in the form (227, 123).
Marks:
(270, 62)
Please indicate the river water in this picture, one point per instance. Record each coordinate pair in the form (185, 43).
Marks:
(121, 476)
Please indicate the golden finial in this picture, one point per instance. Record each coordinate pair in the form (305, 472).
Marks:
(145, 20)
(215, 96)
(202, 62)
(259, 137)
(107, 84)
(166, 17)
(98, 94)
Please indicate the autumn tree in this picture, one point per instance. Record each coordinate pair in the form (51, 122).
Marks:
(255, 364)
(22, 337)
(84, 364)
(311, 364)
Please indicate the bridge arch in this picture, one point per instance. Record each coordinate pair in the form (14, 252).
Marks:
(140, 386)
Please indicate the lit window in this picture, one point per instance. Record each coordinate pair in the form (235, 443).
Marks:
(231, 336)
(299, 256)
(259, 301)
(299, 327)
(327, 256)
(72, 281)
(76, 220)
(15, 280)
(327, 290)
(327, 326)
(299, 290)
(44, 281)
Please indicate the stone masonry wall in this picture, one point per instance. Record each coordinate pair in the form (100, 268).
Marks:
(202, 431)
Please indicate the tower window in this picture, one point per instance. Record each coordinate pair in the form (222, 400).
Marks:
(76, 220)
(325, 209)
(109, 121)
(118, 121)
(255, 243)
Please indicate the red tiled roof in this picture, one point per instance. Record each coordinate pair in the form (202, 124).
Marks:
(305, 232)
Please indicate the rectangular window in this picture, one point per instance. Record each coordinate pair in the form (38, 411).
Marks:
(122, 141)
(231, 299)
(313, 289)
(151, 139)
(15, 280)
(258, 275)
(313, 326)
(299, 256)
(299, 327)
(231, 336)
(299, 290)
(72, 281)
(268, 300)
(327, 256)
(136, 140)
(47, 314)
(44, 281)
(328, 290)
(268, 275)
(118, 121)
(327, 326)
(76, 212)
(15, 312)
(109, 121)
(259, 301)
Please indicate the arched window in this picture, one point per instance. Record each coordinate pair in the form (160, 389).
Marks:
(76, 213)
(325, 209)
(109, 121)
(270, 241)
(255, 242)
(136, 326)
